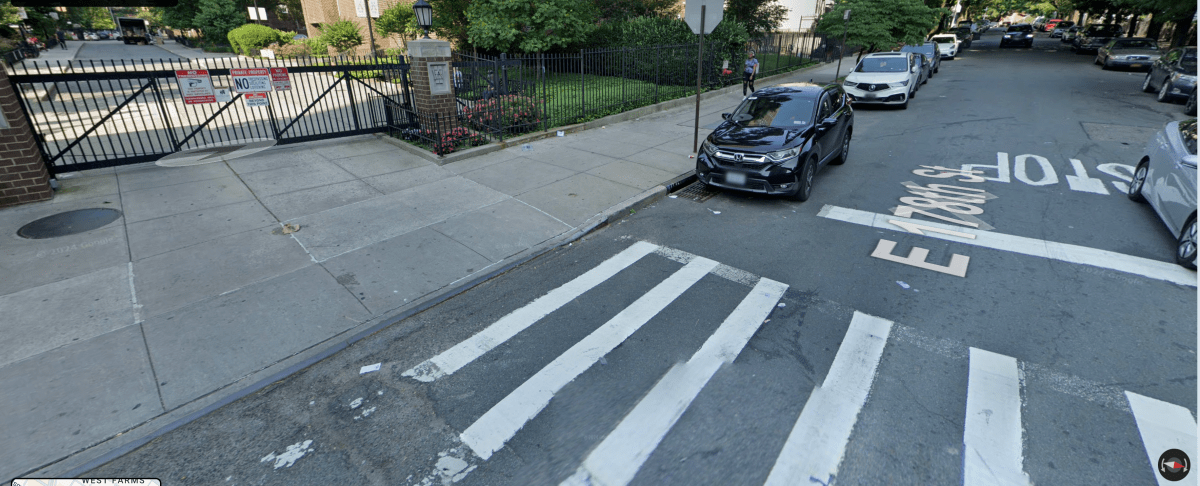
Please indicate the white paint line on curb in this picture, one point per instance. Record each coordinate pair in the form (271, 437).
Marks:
(1027, 246)
(992, 430)
(502, 421)
(508, 326)
(623, 451)
(1164, 426)
(817, 443)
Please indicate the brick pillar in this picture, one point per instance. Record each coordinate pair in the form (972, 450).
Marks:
(432, 83)
(23, 175)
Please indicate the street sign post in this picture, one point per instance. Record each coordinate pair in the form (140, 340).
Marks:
(254, 80)
(702, 19)
(280, 79)
(196, 86)
(361, 8)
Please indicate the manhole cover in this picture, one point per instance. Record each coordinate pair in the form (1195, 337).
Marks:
(698, 191)
(69, 223)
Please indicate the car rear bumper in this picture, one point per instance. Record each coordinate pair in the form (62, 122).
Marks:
(1134, 63)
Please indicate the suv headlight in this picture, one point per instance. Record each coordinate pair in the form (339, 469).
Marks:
(782, 155)
(904, 83)
(708, 148)
(1029, 35)
(848, 82)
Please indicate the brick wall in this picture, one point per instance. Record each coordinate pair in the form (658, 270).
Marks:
(23, 176)
(441, 106)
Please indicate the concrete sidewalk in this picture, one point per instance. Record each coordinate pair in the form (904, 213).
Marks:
(196, 296)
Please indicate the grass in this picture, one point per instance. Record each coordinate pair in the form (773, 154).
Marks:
(603, 96)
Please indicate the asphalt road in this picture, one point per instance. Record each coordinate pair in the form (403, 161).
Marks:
(1022, 368)
(114, 49)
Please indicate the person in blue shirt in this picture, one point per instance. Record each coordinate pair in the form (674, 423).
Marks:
(749, 73)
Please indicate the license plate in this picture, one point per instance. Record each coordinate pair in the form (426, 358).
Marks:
(735, 178)
(870, 96)
(1135, 66)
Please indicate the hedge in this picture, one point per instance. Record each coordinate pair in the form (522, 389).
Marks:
(250, 38)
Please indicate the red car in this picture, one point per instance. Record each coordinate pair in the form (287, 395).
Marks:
(1049, 27)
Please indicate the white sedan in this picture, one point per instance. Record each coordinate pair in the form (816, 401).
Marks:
(1166, 178)
(948, 44)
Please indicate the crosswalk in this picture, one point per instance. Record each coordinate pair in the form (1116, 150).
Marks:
(993, 433)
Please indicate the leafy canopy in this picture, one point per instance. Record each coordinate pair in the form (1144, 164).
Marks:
(521, 25)
(881, 24)
(398, 20)
(217, 17)
(759, 16)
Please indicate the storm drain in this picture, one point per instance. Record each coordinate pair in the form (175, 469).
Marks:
(697, 191)
(69, 223)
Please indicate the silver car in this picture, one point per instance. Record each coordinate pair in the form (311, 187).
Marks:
(1166, 178)
(1131, 52)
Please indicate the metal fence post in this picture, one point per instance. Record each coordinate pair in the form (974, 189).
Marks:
(657, 63)
(582, 88)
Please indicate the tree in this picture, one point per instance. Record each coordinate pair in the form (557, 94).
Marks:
(295, 11)
(759, 16)
(91, 18)
(877, 25)
(182, 16)
(521, 25)
(342, 35)
(617, 10)
(217, 17)
(398, 20)
(450, 21)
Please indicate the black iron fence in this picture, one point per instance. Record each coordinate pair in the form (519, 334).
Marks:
(106, 113)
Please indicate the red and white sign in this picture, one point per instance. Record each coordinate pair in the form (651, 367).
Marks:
(256, 99)
(196, 86)
(255, 80)
(280, 79)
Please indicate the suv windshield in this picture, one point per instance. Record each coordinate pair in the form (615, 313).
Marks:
(1135, 44)
(944, 39)
(1020, 28)
(889, 64)
(1189, 62)
(927, 49)
(1102, 30)
(782, 110)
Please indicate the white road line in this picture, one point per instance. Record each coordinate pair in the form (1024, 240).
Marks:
(817, 443)
(508, 326)
(992, 432)
(501, 422)
(621, 454)
(1027, 246)
(1164, 426)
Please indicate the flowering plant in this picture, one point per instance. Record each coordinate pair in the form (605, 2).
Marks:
(444, 142)
(512, 113)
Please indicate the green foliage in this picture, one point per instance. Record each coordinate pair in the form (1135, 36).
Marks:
(524, 26)
(398, 20)
(618, 10)
(8, 13)
(727, 41)
(217, 17)
(881, 24)
(342, 35)
(91, 18)
(181, 16)
(250, 38)
(310, 47)
(759, 16)
(513, 113)
(450, 21)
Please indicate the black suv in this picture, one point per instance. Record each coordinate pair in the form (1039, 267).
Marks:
(1094, 37)
(777, 140)
(1021, 35)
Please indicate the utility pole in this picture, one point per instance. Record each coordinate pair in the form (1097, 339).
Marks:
(841, 52)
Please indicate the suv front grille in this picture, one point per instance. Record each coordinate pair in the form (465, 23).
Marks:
(728, 158)
(872, 86)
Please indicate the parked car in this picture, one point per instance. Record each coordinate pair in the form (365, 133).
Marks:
(884, 77)
(931, 51)
(777, 140)
(1172, 76)
(947, 43)
(964, 36)
(1069, 34)
(1050, 24)
(1060, 29)
(1190, 106)
(1094, 37)
(1020, 34)
(1130, 52)
(1166, 178)
(926, 67)
(104, 35)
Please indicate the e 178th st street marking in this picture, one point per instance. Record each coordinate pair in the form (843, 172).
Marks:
(1019, 167)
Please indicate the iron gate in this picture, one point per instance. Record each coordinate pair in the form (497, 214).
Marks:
(92, 114)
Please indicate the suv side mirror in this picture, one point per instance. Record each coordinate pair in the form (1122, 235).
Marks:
(726, 115)
(828, 123)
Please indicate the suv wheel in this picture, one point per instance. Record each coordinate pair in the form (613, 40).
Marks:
(1139, 181)
(1146, 87)
(1164, 93)
(1185, 249)
(804, 183)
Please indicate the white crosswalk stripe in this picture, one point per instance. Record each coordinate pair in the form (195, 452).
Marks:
(619, 456)
(817, 443)
(498, 424)
(992, 432)
(1164, 426)
(992, 429)
(467, 351)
